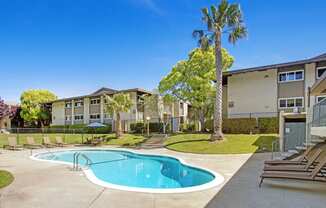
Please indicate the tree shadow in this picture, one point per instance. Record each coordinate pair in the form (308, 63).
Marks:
(264, 143)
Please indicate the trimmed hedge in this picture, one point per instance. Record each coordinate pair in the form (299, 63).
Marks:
(239, 125)
(82, 128)
(268, 125)
(247, 125)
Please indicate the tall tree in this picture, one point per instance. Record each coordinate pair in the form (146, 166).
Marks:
(116, 105)
(6, 111)
(191, 80)
(226, 18)
(32, 106)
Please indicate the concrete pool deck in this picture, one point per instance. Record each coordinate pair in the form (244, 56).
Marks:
(43, 184)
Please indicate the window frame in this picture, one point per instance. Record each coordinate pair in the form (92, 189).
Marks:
(95, 114)
(81, 118)
(319, 68)
(287, 74)
(69, 106)
(68, 116)
(77, 102)
(320, 96)
(98, 101)
(290, 98)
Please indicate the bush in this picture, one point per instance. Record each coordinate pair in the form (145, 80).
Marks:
(268, 125)
(81, 128)
(137, 127)
(239, 125)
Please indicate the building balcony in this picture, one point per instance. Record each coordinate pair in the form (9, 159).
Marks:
(318, 127)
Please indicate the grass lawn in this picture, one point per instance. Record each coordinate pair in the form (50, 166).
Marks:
(125, 140)
(6, 178)
(233, 143)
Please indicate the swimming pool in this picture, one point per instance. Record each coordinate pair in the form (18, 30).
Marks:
(126, 170)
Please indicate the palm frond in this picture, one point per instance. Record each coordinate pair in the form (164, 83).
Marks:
(208, 19)
(240, 31)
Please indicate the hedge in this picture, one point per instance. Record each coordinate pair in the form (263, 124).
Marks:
(240, 125)
(268, 125)
(247, 125)
(81, 128)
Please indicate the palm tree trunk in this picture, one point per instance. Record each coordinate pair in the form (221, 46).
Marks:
(118, 126)
(217, 132)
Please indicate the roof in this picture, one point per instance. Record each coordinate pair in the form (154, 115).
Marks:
(321, 57)
(104, 91)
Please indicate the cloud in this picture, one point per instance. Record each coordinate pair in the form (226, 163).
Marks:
(149, 5)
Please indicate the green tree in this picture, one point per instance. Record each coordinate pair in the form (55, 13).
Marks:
(191, 80)
(116, 105)
(226, 18)
(154, 106)
(33, 109)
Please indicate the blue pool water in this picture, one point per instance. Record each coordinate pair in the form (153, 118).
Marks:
(136, 170)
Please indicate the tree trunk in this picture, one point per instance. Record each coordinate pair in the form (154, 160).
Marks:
(118, 126)
(217, 131)
(202, 120)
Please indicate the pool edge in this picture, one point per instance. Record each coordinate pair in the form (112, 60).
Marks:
(218, 178)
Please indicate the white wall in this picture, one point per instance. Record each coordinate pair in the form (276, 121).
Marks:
(58, 113)
(253, 92)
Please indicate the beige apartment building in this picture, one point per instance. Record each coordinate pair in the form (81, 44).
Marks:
(91, 108)
(278, 90)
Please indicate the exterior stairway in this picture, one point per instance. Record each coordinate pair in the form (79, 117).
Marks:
(155, 141)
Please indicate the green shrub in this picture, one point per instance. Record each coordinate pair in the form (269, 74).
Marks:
(239, 125)
(268, 125)
(137, 127)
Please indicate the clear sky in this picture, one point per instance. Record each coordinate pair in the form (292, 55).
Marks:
(73, 47)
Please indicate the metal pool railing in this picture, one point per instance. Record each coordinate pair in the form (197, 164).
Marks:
(76, 160)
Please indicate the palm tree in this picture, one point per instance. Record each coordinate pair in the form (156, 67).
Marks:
(227, 19)
(117, 104)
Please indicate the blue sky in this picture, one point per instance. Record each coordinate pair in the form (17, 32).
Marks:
(73, 47)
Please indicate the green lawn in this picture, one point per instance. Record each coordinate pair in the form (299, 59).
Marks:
(233, 144)
(6, 178)
(125, 140)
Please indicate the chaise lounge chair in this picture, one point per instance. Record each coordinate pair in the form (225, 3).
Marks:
(12, 144)
(59, 141)
(31, 143)
(301, 159)
(47, 142)
(317, 174)
(296, 167)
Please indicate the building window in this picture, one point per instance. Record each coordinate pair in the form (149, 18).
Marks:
(291, 76)
(79, 117)
(79, 103)
(68, 118)
(68, 105)
(95, 101)
(94, 116)
(320, 98)
(108, 116)
(320, 71)
(291, 102)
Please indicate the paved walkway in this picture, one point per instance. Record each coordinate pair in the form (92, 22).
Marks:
(42, 184)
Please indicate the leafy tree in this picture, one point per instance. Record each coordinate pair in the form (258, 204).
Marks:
(117, 104)
(32, 106)
(6, 111)
(192, 80)
(154, 105)
(226, 18)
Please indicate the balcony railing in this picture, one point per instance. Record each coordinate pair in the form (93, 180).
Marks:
(319, 114)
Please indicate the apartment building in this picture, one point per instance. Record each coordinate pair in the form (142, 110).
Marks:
(91, 108)
(278, 90)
